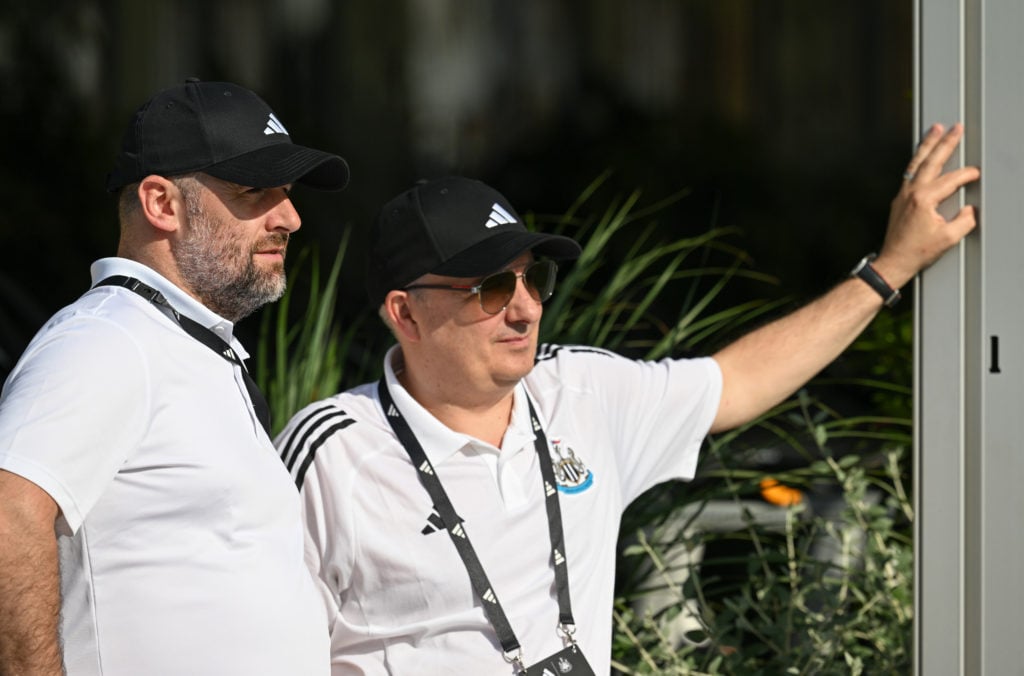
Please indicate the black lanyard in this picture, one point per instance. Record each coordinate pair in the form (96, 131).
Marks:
(203, 335)
(481, 586)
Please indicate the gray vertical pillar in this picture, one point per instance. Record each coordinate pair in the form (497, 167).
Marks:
(938, 459)
(969, 451)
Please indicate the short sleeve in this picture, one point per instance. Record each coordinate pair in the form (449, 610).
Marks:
(73, 409)
(656, 413)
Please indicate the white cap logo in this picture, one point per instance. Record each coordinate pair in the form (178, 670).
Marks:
(499, 217)
(274, 126)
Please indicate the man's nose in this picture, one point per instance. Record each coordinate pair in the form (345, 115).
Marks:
(283, 216)
(523, 307)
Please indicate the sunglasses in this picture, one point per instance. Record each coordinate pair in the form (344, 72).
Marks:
(495, 291)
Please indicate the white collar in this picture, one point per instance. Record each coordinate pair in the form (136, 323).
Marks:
(179, 300)
(439, 441)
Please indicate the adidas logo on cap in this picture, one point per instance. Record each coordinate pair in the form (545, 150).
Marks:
(499, 217)
(274, 126)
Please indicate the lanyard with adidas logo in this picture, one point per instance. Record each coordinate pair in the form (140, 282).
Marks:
(570, 658)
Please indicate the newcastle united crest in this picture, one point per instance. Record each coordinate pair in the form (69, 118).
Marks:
(571, 475)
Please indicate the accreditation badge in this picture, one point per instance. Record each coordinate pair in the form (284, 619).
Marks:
(571, 474)
(568, 660)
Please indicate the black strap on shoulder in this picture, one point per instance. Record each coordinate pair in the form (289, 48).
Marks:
(203, 335)
(478, 578)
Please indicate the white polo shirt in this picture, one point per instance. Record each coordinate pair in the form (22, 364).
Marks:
(397, 592)
(180, 536)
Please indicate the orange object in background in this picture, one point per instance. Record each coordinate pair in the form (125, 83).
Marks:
(778, 494)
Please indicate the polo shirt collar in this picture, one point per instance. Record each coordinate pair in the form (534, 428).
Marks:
(440, 442)
(179, 300)
(520, 432)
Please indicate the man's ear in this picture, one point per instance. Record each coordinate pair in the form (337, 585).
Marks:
(399, 315)
(162, 203)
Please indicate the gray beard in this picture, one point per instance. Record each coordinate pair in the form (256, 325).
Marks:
(222, 275)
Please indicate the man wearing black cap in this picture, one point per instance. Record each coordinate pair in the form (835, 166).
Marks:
(462, 513)
(134, 446)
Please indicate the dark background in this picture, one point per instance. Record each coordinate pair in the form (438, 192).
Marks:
(789, 119)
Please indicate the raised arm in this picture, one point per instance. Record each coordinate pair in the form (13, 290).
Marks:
(29, 580)
(764, 367)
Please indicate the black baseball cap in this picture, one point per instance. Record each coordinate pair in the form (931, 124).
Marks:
(223, 130)
(452, 226)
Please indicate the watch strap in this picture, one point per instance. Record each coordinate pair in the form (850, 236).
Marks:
(865, 271)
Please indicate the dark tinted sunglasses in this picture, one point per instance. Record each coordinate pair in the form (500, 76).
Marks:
(496, 291)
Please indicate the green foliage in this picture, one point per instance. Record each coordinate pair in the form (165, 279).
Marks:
(886, 351)
(819, 587)
(632, 293)
(311, 355)
(824, 594)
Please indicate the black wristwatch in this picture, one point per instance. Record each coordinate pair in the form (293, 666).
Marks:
(865, 271)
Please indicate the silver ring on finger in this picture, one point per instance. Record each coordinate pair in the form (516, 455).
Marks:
(908, 175)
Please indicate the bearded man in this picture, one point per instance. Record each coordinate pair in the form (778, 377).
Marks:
(146, 523)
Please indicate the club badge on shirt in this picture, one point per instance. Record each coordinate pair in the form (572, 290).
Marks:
(571, 475)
